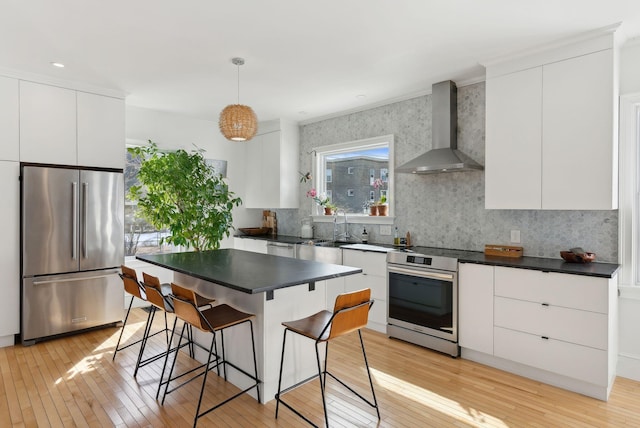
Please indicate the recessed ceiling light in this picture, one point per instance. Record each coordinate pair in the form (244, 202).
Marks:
(302, 112)
(361, 96)
(58, 64)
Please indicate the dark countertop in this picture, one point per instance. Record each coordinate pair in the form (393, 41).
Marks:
(597, 269)
(602, 270)
(247, 271)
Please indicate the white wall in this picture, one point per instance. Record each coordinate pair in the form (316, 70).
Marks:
(630, 67)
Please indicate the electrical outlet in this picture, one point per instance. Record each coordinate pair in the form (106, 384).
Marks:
(385, 230)
(515, 236)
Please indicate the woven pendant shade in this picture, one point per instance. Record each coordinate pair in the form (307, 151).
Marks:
(238, 122)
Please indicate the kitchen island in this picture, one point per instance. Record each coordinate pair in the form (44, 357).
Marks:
(274, 288)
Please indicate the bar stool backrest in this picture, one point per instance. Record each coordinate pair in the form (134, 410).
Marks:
(153, 290)
(350, 312)
(184, 306)
(131, 284)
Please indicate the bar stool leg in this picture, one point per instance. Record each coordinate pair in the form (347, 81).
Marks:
(366, 363)
(173, 364)
(124, 324)
(255, 362)
(284, 341)
(204, 380)
(145, 337)
(166, 358)
(322, 383)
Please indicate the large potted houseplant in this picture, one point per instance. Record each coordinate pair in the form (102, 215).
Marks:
(180, 192)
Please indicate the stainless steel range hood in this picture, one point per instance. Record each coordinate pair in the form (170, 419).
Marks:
(445, 156)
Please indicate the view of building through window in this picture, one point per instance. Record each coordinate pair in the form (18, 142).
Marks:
(356, 174)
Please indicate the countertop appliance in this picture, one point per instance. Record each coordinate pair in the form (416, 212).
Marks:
(423, 298)
(72, 230)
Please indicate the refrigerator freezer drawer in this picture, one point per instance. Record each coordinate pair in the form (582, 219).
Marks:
(56, 304)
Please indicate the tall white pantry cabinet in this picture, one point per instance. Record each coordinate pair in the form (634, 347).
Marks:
(47, 124)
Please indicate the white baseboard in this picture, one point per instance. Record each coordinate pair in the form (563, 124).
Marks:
(628, 366)
(7, 341)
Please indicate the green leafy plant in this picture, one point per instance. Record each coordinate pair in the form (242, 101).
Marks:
(180, 192)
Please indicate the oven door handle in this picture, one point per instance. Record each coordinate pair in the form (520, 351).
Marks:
(421, 273)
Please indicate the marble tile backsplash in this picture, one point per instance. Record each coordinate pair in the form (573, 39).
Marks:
(447, 210)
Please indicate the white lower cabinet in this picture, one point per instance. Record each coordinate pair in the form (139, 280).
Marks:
(559, 328)
(373, 276)
(475, 307)
(248, 244)
(556, 356)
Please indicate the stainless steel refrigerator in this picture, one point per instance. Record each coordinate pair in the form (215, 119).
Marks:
(72, 248)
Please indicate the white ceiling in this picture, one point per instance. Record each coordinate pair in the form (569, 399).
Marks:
(306, 56)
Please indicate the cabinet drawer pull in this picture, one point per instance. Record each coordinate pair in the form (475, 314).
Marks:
(545, 304)
(545, 337)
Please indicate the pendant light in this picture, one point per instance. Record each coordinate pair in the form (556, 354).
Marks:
(238, 122)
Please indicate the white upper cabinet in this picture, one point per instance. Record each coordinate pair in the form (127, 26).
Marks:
(47, 124)
(579, 150)
(9, 113)
(66, 127)
(551, 129)
(514, 140)
(271, 163)
(101, 131)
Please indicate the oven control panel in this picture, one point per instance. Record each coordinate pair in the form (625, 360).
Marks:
(419, 260)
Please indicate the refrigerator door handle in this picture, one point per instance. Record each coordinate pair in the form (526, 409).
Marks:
(74, 217)
(85, 207)
(84, 278)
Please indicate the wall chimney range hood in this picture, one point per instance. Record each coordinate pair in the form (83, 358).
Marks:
(445, 156)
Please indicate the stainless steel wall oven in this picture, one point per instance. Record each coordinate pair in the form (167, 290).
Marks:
(423, 300)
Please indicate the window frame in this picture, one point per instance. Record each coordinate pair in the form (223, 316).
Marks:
(629, 196)
(319, 170)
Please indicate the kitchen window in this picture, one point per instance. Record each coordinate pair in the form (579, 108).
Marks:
(348, 171)
(629, 202)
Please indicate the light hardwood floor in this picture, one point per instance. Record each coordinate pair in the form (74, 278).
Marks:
(72, 381)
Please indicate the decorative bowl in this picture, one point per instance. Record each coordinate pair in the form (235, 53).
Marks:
(572, 257)
(254, 231)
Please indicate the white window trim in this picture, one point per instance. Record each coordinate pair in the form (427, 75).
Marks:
(629, 199)
(319, 171)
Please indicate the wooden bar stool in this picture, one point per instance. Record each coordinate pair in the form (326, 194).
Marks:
(160, 300)
(350, 313)
(135, 289)
(209, 319)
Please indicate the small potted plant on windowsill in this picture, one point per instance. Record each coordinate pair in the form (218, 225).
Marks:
(380, 207)
(322, 200)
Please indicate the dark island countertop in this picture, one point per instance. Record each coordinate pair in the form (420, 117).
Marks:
(247, 271)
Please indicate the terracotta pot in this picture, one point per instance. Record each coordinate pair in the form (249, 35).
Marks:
(383, 210)
(373, 210)
(328, 211)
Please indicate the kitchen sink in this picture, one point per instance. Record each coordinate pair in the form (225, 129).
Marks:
(320, 251)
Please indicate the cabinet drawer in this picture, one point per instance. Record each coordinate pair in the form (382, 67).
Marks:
(557, 289)
(377, 285)
(567, 359)
(372, 263)
(569, 325)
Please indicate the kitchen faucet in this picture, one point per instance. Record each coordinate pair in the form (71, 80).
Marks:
(345, 235)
